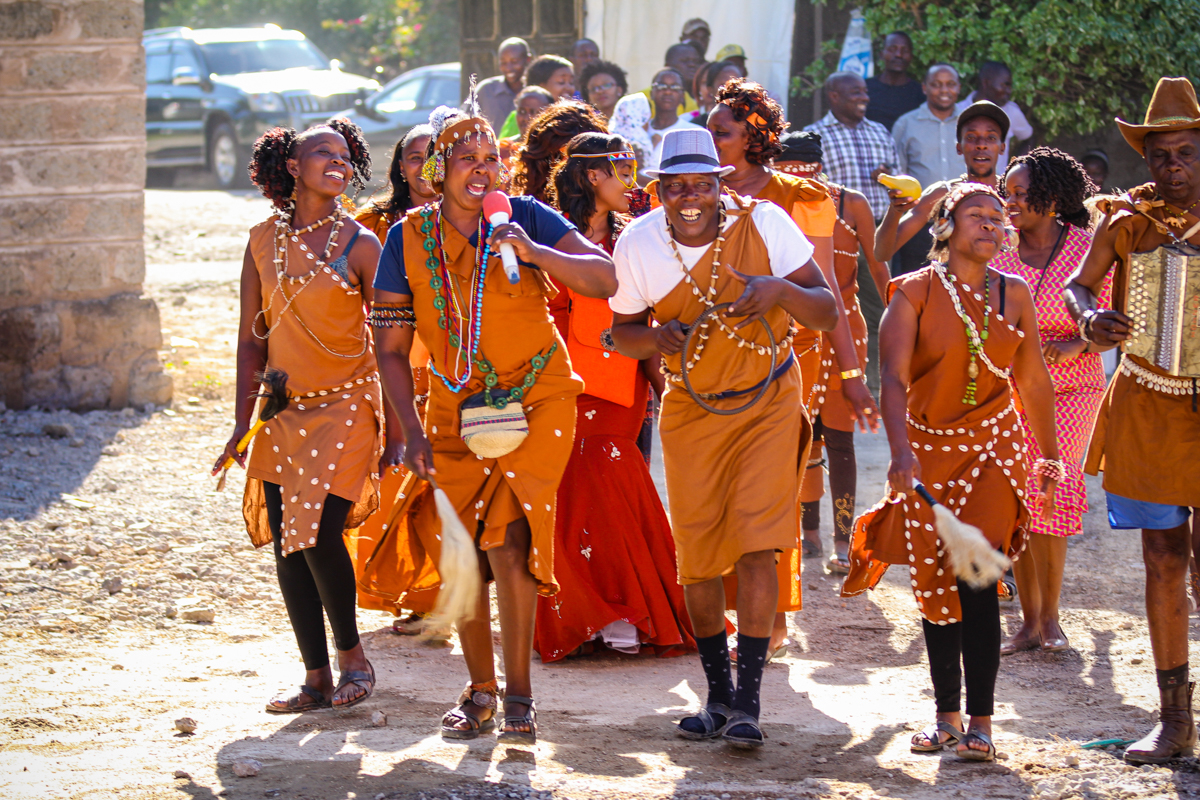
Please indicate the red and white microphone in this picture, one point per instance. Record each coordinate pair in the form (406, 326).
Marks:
(498, 211)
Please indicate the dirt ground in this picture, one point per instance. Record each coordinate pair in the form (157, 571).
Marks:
(115, 552)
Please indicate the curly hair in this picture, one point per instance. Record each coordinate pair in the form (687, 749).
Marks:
(268, 161)
(398, 196)
(542, 69)
(548, 133)
(746, 98)
(1057, 182)
(602, 68)
(569, 188)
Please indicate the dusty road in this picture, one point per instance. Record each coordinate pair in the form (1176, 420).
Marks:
(114, 550)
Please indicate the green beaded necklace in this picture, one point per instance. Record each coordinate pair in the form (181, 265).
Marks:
(445, 296)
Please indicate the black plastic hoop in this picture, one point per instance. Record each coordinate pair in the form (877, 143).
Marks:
(683, 367)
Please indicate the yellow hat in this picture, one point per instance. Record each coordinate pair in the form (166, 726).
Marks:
(730, 51)
(1172, 108)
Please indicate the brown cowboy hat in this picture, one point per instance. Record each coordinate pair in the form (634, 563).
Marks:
(1172, 108)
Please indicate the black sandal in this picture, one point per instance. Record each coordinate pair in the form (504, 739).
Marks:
(747, 740)
(529, 718)
(298, 704)
(708, 717)
(933, 735)
(970, 754)
(484, 700)
(363, 680)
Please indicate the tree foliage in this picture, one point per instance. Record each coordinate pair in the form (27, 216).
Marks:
(1076, 63)
(371, 37)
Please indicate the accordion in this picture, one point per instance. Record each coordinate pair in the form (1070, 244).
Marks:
(1163, 300)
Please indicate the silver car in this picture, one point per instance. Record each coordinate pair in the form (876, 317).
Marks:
(402, 103)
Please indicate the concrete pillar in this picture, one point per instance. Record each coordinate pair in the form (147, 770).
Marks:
(75, 330)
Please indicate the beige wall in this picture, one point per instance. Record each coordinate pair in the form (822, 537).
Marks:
(75, 330)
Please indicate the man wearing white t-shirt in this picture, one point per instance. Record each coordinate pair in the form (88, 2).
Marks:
(995, 84)
(723, 277)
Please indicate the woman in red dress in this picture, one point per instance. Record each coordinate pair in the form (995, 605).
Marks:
(613, 553)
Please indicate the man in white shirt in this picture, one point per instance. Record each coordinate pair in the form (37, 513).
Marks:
(995, 84)
(734, 432)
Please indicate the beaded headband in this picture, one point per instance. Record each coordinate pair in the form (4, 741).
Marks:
(802, 168)
(962, 191)
(477, 128)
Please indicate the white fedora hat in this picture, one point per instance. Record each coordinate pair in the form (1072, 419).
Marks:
(689, 151)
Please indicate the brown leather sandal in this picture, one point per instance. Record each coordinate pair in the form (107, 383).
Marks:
(483, 696)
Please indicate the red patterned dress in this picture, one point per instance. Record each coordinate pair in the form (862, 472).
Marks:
(1078, 384)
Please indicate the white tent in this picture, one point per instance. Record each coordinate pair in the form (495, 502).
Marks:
(636, 33)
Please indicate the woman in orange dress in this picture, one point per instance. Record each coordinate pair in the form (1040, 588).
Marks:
(834, 426)
(613, 554)
(313, 470)
(494, 352)
(406, 190)
(953, 335)
(746, 125)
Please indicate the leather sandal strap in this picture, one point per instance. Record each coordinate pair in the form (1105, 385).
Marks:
(311, 692)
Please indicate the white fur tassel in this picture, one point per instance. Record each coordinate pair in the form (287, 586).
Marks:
(971, 555)
(458, 597)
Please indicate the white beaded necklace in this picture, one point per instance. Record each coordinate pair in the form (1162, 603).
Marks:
(708, 300)
(972, 331)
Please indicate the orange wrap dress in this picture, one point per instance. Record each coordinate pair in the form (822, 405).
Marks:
(370, 532)
(972, 457)
(807, 202)
(731, 480)
(835, 413)
(1145, 441)
(488, 493)
(328, 440)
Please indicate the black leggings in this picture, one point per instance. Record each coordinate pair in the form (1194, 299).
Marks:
(843, 482)
(317, 579)
(976, 639)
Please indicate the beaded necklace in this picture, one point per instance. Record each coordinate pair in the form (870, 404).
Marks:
(975, 340)
(465, 325)
(464, 329)
(708, 299)
(284, 231)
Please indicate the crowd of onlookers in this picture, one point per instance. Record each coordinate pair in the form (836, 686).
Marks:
(894, 122)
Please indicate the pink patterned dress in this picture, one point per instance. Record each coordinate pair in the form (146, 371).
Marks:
(1078, 385)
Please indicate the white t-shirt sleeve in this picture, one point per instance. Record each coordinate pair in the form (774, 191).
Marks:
(787, 248)
(1019, 127)
(631, 295)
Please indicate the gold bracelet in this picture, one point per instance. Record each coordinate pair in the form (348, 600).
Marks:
(852, 373)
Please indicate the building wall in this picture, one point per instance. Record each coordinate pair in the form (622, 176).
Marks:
(75, 329)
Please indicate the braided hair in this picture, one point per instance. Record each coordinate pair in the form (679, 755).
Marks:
(268, 161)
(746, 98)
(569, 188)
(1056, 182)
(398, 196)
(544, 141)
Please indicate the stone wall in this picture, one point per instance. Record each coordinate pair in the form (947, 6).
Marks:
(75, 330)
